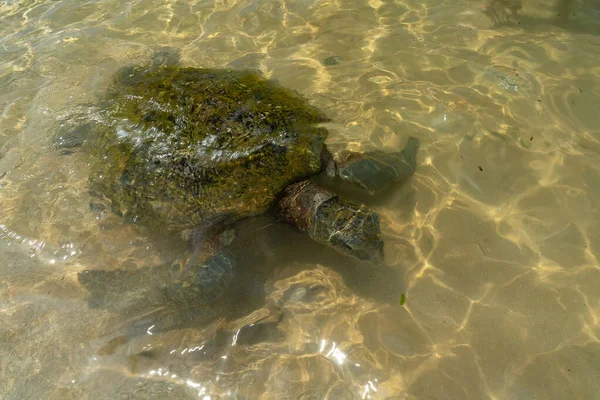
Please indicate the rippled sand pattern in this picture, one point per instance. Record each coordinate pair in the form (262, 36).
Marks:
(494, 242)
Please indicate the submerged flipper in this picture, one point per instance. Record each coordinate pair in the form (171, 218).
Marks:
(203, 283)
(377, 170)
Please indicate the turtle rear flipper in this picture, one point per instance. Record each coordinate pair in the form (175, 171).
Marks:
(116, 289)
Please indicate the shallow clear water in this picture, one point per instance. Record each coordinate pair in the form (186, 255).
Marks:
(494, 242)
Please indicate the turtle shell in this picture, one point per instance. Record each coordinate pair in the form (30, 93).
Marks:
(179, 146)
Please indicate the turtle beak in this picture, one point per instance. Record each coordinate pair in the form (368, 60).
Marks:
(361, 238)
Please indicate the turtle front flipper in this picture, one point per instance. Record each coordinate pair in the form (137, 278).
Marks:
(202, 283)
(154, 300)
(375, 171)
(347, 226)
(159, 298)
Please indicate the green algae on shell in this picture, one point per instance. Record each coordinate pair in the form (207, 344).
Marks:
(186, 144)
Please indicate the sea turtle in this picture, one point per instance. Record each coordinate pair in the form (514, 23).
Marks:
(197, 150)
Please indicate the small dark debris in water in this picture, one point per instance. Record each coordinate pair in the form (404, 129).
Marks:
(531, 139)
(569, 369)
(62, 279)
(480, 168)
(333, 60)
(461, 157)
(580, 91)
(517, 74)
(539, 100)
(402, 299)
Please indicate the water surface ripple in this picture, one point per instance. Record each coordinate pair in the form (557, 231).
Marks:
(494, 242)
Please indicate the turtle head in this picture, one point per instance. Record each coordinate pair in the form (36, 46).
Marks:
(360, 237)
(349, 227)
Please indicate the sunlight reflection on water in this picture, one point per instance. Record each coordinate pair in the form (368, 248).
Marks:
(494, 242)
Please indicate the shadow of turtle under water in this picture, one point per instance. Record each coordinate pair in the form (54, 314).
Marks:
(149, 301)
